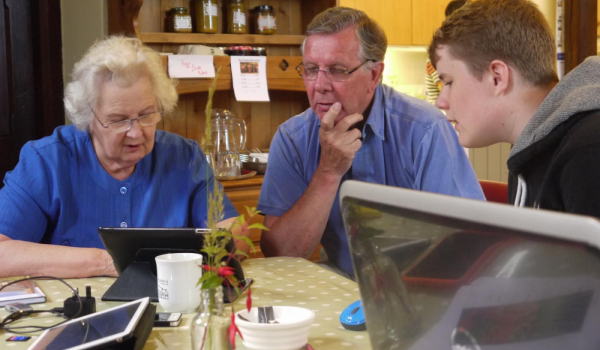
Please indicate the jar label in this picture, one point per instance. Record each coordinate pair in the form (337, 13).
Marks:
(266, 22)
(183, 22)
(239, 18)
(210, 10)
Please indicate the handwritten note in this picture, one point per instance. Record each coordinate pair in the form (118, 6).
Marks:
(191, 66)
(249, 76)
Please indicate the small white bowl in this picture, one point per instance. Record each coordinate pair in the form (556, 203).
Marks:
(291, 333)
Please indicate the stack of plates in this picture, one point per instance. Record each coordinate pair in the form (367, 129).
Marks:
(254, 163)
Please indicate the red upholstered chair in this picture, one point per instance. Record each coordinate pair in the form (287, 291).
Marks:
(495, 191)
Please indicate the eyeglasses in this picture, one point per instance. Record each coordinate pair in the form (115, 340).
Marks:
(337, 74)
(125, 124)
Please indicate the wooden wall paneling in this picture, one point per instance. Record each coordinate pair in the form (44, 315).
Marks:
(295, 22)
(150, 18)
(176, 121)
(479, 162)
(261, 124)
(195, 117)
(427, 16)
(299, 102)
(505, 151)
(311, 8)
(280, 109)
(494, 161)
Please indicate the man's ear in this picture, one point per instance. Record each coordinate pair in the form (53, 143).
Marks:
(376, 74)
(500, 75)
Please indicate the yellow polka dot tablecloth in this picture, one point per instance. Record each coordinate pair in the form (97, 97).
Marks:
(278, 281)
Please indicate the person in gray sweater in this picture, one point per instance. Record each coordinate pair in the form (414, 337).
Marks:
(496, 59)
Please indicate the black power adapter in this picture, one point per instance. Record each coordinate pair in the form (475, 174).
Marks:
(88, 304)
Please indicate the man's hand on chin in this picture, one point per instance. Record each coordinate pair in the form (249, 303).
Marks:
(339, 141)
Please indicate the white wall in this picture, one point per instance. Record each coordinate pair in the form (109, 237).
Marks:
(83, 22)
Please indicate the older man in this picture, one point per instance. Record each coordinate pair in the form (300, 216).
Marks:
(358, 129)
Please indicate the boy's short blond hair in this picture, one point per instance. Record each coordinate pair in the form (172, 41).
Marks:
(513, 31)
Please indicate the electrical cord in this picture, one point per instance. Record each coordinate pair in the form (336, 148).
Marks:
(19, 314)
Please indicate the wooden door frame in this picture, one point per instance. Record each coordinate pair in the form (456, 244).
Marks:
(31, 82)
(580, 31)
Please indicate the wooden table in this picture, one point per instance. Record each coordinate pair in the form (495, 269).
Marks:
(277, 281)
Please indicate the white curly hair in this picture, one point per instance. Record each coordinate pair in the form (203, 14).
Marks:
(122, 60)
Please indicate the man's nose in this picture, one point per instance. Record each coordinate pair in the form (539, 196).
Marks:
(323, 81)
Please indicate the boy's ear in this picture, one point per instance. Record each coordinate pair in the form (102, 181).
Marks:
(500, 74)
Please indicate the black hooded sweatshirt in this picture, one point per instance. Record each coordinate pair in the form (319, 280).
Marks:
(555, 163)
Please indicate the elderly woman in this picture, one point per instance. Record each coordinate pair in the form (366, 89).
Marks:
(110, 168)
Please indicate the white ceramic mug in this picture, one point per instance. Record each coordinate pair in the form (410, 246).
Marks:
(177, 275)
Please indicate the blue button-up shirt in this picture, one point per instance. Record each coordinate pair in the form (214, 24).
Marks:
(407, 143)
(60, 194)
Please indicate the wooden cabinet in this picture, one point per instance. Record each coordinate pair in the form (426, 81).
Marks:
(145, 19)
(394, 16)
(406, 22)
(245, 193)
(427, 16)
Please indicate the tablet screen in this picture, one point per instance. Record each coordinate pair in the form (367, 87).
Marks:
(99, 328)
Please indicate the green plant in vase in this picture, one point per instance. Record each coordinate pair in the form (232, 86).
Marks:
(211, 328)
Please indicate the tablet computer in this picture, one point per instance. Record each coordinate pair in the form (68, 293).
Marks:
(123, 244)
(93, 331)
(134, 250)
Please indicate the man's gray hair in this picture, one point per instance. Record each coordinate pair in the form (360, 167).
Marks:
(122, 60)
(371, 37)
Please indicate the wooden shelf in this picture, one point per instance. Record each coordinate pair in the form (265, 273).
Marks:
(277, 78)
(225, 39)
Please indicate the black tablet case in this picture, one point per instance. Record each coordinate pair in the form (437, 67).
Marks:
(138, 280)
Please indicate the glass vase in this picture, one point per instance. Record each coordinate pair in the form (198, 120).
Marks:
(209, 326)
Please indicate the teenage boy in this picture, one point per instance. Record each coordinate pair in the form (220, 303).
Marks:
(496, 59)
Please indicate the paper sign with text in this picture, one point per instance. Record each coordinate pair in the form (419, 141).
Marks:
(249, 76)
(191, 66)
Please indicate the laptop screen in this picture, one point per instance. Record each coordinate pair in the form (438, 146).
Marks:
(437, 272)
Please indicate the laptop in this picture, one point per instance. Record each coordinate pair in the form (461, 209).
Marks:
(442, 272)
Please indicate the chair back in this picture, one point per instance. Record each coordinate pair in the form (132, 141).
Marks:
(495, 191)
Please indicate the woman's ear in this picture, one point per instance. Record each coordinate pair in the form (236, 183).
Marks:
(500, 74)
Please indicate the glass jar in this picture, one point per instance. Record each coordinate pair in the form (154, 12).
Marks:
(265, 20)
(179, 20)
(207, 16)
(259, 51)
(236, 17)
(209, 326)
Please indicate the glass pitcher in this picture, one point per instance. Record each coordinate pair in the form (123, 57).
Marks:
(228, 139)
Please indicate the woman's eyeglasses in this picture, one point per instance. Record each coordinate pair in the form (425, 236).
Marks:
(125, 124)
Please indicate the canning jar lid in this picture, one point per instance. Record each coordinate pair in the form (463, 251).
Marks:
(178, 9)
(264, 8)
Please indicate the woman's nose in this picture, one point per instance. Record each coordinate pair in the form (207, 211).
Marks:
(136, 129)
